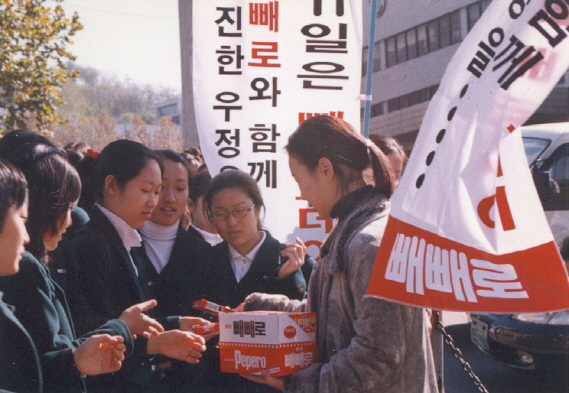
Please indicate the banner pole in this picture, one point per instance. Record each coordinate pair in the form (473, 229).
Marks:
(369, 68)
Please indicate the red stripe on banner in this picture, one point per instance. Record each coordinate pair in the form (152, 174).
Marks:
(504, 209)
(420, 268)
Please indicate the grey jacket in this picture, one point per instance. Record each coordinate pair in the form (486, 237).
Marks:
(365, 344)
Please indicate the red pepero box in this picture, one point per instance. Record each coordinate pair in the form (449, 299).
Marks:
(210, 307)
(278, 342)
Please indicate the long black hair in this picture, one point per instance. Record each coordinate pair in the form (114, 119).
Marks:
(54, 186)
(171, 155)
(13, 189)
(122, 159)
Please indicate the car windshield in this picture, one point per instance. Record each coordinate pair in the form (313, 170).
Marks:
(534, 147)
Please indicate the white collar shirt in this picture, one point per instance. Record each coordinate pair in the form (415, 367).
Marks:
(130, 238)
(242, 263)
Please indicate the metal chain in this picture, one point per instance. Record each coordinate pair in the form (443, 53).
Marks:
(458, 355)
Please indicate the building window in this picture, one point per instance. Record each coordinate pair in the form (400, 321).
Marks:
(432, 91)
(168, 110)
(455, 31)
(411, 36)
(401, 48)
(393, 105)
(433, 30)
(376, 58)
(444, 31)
(390, 52)
(474, 12)
(422, 40)
(376, 110)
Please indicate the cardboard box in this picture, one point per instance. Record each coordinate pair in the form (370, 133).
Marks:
(279, 342)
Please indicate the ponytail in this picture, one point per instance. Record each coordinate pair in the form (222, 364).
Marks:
(384, 179)
(350, 154)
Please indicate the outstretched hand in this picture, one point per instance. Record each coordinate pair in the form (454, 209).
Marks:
(187, 324)
(176, 344)
(295, 253)
(100, 354)
(138, 322)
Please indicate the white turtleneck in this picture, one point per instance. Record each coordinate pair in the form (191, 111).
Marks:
(211, 238)
(158, 242)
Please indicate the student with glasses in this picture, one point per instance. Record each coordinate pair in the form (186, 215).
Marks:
(249, 259)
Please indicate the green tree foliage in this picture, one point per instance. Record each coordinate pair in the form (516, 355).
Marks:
(33, 54)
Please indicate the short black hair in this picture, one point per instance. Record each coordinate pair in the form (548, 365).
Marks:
(122, 159)
(13, 189)
(199, 185)
(54, 186)
(171, 155)
(233, 178)
(14, 139)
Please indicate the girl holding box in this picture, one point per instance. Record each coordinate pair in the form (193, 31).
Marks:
(364, 344)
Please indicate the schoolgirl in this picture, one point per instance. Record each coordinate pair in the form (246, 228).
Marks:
(20, 368)
(112, 268)
(364, 344)
(249, 259)
(40, 304)
(201, 227)
(179, 261)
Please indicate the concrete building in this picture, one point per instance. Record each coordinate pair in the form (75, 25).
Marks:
(414, 42)
(415, 39)
(171, 108)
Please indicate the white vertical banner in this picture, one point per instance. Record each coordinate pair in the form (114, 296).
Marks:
(259, 69)
(466, 228)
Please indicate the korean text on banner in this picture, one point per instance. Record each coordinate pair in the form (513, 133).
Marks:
(466, 228)
(259, 69)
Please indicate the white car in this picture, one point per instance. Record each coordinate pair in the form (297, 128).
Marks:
(547, 151)
(530, 341)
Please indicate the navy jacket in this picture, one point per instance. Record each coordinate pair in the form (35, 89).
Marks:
(105, 282)
(41, 307)
(261, 277)
(20, 369)
(185, 277)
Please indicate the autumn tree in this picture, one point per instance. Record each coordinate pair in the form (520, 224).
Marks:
(96, 131)
(167, 135)
(33, 41)
(138, 131)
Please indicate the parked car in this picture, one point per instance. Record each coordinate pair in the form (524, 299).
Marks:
(530, 341)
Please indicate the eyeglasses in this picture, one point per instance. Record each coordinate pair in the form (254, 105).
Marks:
(222, 215)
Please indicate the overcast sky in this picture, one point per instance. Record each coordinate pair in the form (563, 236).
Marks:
(137, 40)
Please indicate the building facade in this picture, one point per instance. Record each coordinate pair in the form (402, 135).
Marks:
(414, 42)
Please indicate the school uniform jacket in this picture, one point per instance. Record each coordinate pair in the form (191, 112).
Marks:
(106, 282)
(20, 369)
(41, 307)
(261, 277)
(184, 278)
